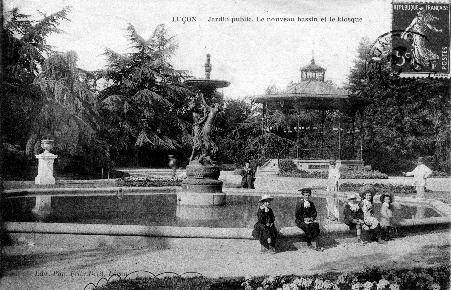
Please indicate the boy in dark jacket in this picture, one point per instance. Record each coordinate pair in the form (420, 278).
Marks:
(353, 215)
(306, 219)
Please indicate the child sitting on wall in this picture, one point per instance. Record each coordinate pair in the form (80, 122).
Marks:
(306, 219)
(371, 224)
(264, 229)
(353, 215)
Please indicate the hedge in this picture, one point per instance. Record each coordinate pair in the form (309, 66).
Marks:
(287, 168)
(380, 188)
(148, 182)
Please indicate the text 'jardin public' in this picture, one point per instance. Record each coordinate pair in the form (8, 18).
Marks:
(269, 19)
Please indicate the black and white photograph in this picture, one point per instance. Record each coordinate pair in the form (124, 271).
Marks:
(245, 144)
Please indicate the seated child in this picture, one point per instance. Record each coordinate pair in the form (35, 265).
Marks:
(371, 223)
(306, 219)
(386, 215)
(264, 229)
(353, 215)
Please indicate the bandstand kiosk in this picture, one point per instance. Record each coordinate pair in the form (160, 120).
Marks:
(323, 122)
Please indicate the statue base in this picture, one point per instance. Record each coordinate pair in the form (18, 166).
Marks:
(201, 186)
(45, 168)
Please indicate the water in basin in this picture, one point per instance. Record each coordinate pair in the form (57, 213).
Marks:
(162, 210)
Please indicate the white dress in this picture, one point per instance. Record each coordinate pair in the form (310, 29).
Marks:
(333, 178)
(368, 217)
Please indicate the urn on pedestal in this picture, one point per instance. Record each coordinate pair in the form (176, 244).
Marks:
(45, 165)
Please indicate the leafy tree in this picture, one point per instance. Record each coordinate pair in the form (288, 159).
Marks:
(145, 103)
(24, 49)
(69, 115)
(404, 118)
(239, 131)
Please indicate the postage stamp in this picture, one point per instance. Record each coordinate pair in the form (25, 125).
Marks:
(420, 38)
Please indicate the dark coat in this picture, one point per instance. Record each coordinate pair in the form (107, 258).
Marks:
(311, 230)
(302, 213)
(248, 178)
(350, 215)
(264, 228)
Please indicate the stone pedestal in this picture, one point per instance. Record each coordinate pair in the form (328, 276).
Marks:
(201, 186)
(45, 168)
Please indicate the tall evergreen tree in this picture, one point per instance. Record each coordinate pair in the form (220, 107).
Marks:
(145, 102)
(69, 115)
(24, 49)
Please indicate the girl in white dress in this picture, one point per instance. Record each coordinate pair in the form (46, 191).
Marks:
(367, 208)
(371, 223)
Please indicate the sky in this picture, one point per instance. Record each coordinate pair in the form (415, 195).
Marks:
(251, 55)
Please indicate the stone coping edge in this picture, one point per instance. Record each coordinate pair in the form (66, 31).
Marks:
(68, 190)
(185, 232)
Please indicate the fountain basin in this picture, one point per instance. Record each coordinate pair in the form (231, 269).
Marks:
(163, 209)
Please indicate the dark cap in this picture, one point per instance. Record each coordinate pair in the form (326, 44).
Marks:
(305, 190)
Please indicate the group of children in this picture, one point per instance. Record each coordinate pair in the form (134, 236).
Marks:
(358, 215)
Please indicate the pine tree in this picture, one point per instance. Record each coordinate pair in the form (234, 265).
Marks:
(145, 102)
(24, 50)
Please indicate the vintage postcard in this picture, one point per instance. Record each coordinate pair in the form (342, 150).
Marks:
(247, 144)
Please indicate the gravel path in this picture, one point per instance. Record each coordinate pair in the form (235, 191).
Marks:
(71, 262)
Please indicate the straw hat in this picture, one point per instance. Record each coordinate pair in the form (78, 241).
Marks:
(266, 197)
(368, 188)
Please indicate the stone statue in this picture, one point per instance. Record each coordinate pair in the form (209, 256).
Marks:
(204, 149)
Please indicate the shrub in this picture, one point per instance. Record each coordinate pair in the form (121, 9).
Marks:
(380, 188)
(287, 166)
(238, 171)
(437, 174)
(367, 168)
(16, 165)
(227, 167)
(305, 174)
(371, 278)
(148, 182)
(363, 174)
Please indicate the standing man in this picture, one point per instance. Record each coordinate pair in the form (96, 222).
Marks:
(173, 165)
(420, 174)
